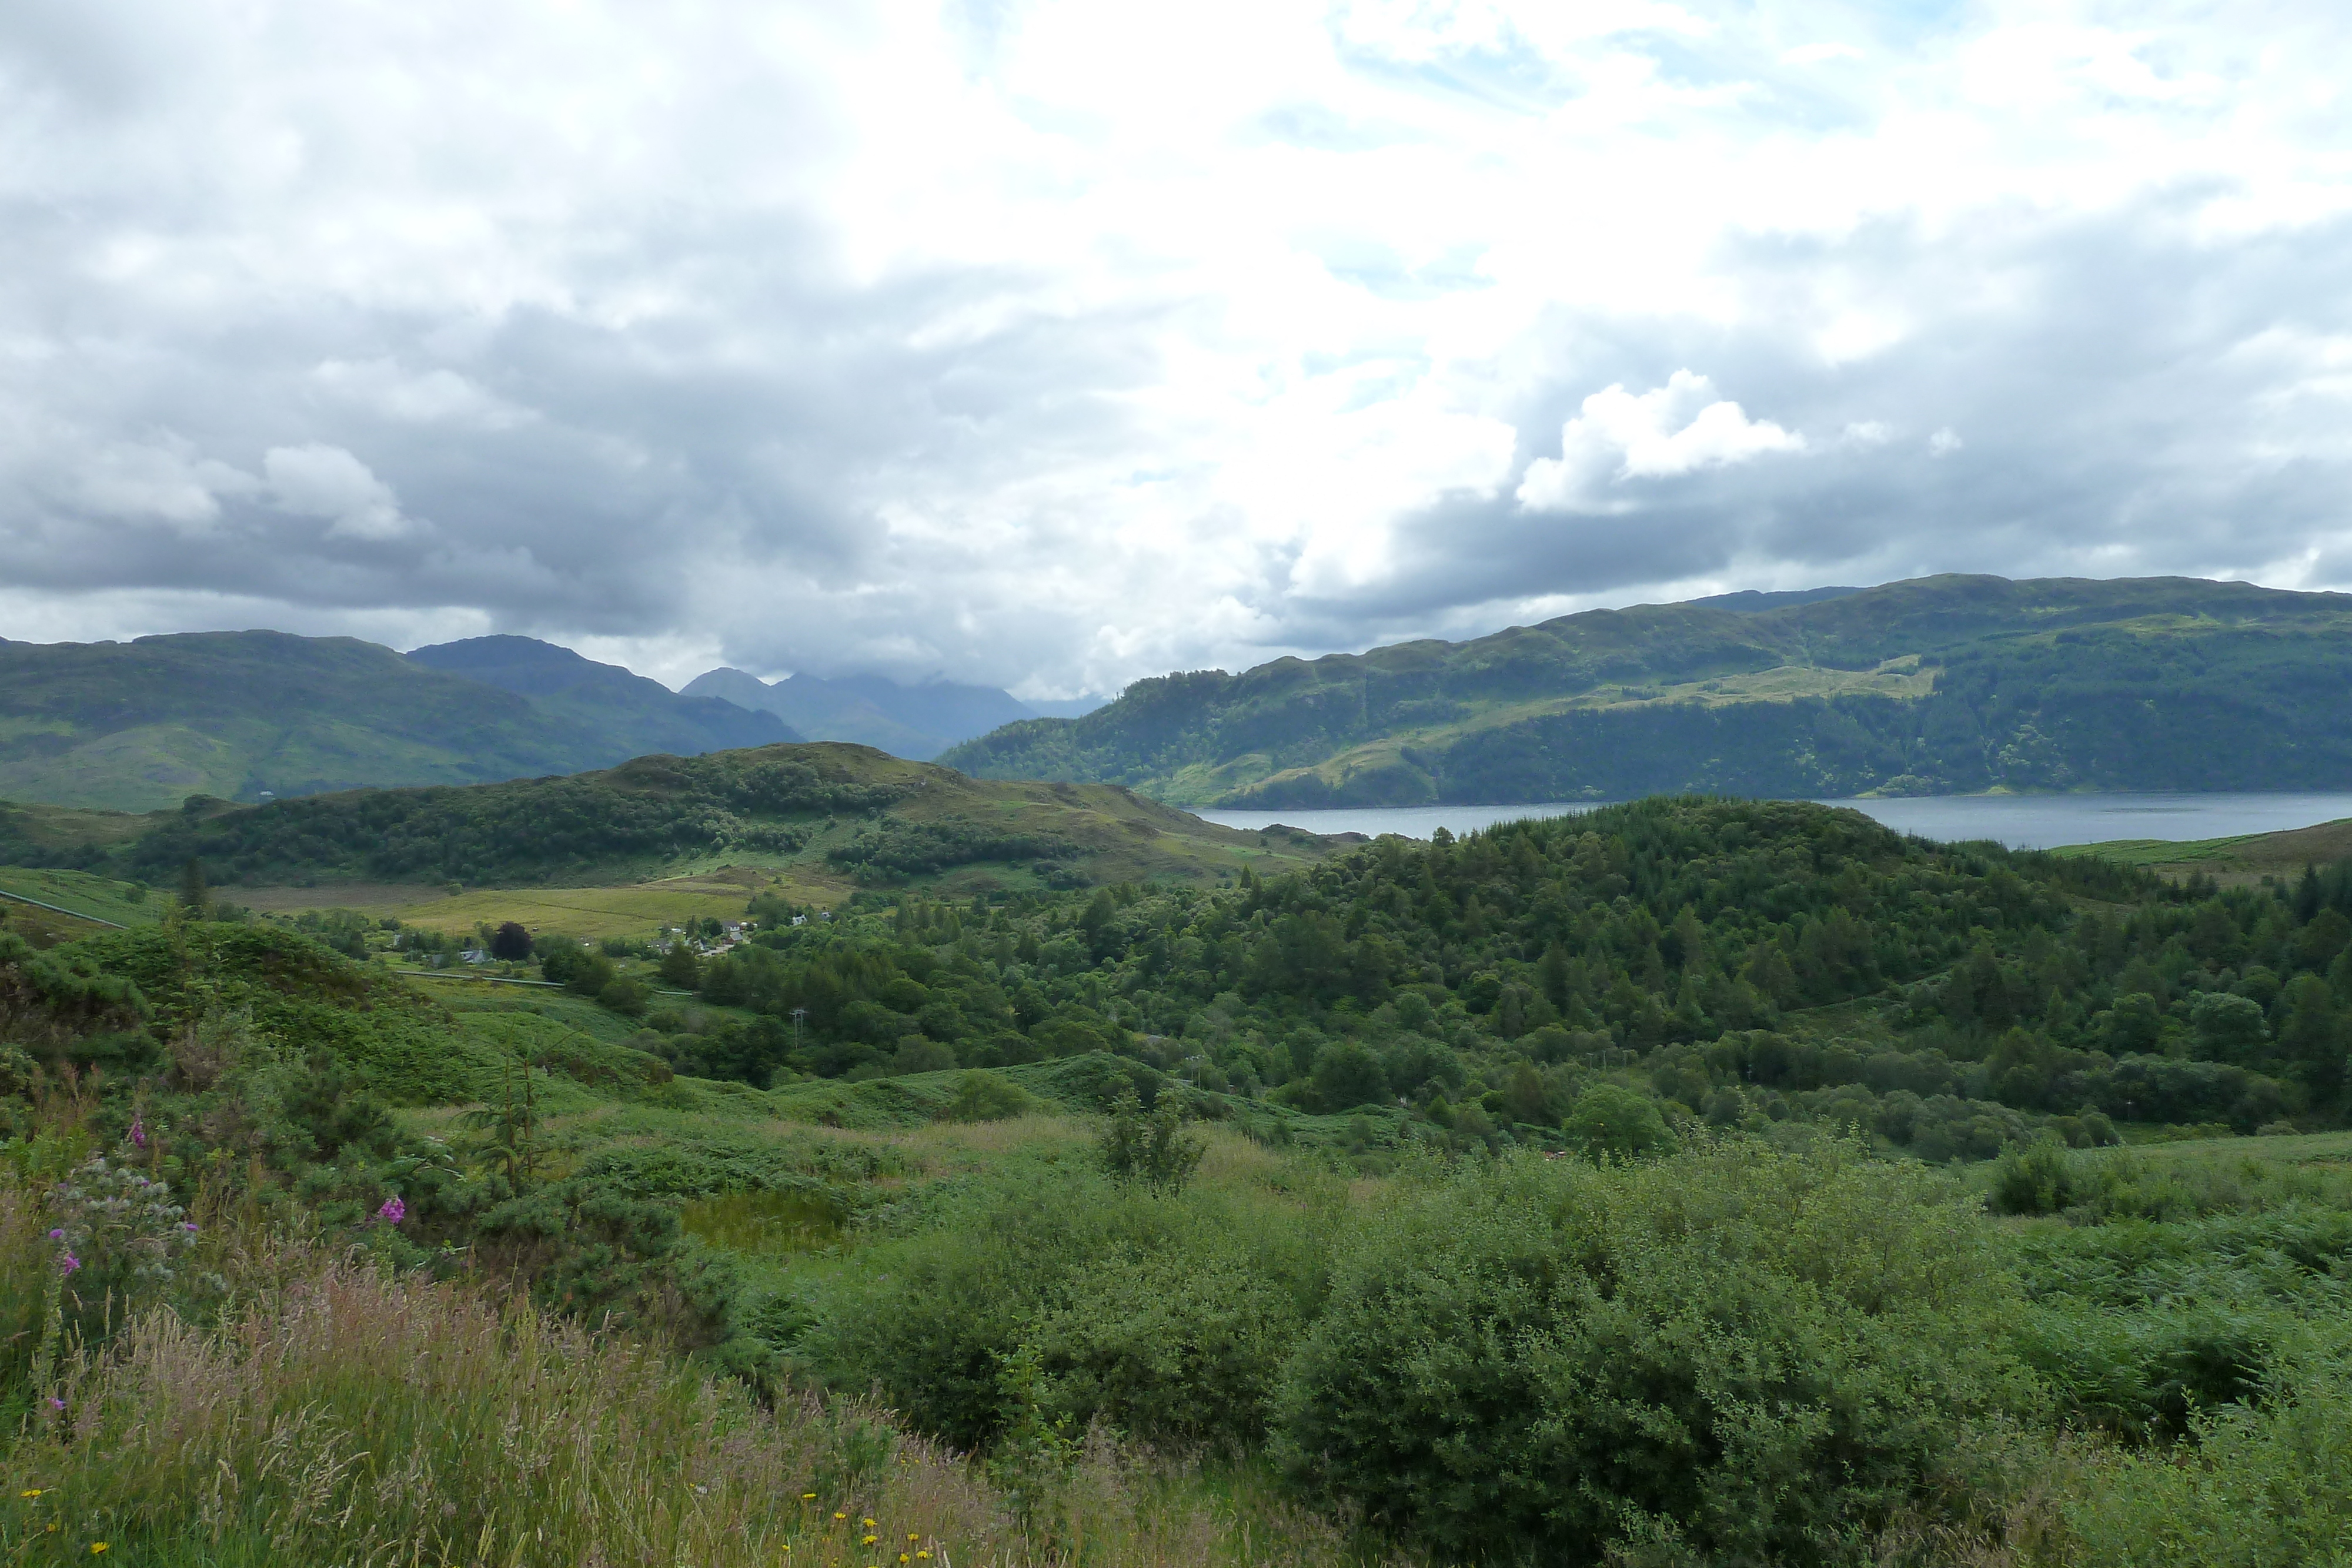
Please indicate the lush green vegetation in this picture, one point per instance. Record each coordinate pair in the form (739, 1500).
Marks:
(1747, 963)
(832, 816)
(1944, 685)
(642, 813)
(141, 725)
(1589, 1190)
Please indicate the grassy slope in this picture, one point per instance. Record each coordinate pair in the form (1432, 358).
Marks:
(2233, 861)
(79, 892)
(1461, 722)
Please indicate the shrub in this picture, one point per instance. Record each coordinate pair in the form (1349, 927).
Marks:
(1149, 1147)
(985, 1097)
(2034, 1178)
(1753, 1354)
(1161, 1316)
(625, 995)
(2262, 1487)
(1608, 1120)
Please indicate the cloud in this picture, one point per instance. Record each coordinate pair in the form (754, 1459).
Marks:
(320, 481)
(434, 397)
(1053, 344)
(1679, 428)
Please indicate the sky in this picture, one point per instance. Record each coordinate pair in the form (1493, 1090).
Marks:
(1053, 345)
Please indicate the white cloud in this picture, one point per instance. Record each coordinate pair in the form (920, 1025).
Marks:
(1679, 428)
(432, 397)
(320, 481)
(1054, 343)
(1944, 443)
(161, 480)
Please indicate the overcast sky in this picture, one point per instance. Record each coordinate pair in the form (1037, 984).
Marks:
(1052, 345)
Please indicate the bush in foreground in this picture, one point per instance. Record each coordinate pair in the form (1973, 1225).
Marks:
(1730, 1356)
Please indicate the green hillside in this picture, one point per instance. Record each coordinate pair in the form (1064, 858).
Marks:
(1944, 685)
(141, 725)
(1737, 1177)
(846, 814)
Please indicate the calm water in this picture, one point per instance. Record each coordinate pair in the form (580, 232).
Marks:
(2020, 822)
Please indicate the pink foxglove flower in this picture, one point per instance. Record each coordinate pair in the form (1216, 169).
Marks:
(393, 1211)
(139, 1131)
(68, 1263)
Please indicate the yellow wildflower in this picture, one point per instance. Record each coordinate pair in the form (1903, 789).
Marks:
(867, 1522)
(868, 1540)
(29, 1493)
(837, 1514)
(97, 1548)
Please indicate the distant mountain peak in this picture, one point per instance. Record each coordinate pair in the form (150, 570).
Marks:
(917, 722)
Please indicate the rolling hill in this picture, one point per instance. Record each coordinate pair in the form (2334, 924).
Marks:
(847, 814)
(142, 726)
(1942, 685)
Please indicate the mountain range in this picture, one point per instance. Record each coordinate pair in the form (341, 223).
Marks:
(1939, 684)
(917, 722)
(143, 725)
(1943, 684)
(241, 714)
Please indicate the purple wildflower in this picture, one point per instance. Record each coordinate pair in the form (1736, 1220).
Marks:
(56, 1402)
(189, 1226)
(139, 1131)
(68, 1263)
(56, 1236)
(393, 1211)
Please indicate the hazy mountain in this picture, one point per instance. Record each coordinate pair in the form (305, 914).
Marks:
(639, 716)
(1066, 708)
(918, 722)
(142, 724)
(1943, 684)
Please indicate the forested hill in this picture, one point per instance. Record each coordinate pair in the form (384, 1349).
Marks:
(142, 726)
(846, 814)
(1943, 684)
(1750, 962)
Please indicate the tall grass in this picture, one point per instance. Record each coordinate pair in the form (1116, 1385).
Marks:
(358, 1418)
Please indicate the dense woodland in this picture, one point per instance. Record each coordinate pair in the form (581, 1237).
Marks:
(641, 813)
(1212, 1226)
(1756, 962)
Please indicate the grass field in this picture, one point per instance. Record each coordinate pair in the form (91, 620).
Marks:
(2236, 862)
(585, 912)
(2298, 1149)
(100, 898)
